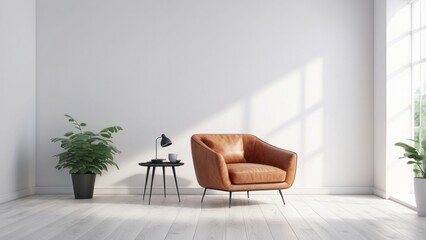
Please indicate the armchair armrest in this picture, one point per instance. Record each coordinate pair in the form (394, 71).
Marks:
(265, 153)
(210, 167)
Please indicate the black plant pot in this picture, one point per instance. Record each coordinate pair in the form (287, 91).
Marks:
(83, 185)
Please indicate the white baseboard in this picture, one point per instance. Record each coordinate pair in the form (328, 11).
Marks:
(332, 191)
(380, 193)
(6, 197)
(405, 200)
(197, 191)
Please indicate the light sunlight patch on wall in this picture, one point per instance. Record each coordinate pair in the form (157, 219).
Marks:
(399, 42)
(294, 118)
(313, 83)
(276, 104)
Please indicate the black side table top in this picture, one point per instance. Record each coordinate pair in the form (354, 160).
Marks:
(162, 164)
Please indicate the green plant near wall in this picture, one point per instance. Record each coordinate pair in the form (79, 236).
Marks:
(416, 156)
(85, 151)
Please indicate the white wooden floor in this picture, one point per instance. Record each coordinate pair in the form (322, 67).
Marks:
(260, 217)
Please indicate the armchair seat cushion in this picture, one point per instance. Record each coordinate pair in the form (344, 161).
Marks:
(249, 173)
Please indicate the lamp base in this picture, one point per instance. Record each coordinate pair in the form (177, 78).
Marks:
(158, 160)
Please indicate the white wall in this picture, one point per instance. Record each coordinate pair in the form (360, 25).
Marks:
(298, 74)
(17, 98)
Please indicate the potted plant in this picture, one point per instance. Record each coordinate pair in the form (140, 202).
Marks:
(417, 158)
(86, 154)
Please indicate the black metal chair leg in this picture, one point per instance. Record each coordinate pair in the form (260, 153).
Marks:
(281, 195)
(177, 188)
(230, 197)
(204, 193)
(146, 181)
(152, 181)
(248, 196)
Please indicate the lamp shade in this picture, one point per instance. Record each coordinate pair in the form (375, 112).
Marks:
(165, 141)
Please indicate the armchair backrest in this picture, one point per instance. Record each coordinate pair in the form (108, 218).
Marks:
(230, 146)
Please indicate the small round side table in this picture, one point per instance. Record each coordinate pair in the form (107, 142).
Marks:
(163, 165)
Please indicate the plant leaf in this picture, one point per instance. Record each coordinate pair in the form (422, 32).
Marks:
(68, 134)
(406, 147)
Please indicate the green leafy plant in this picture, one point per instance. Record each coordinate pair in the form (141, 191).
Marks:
(416, 156)
(85, 151)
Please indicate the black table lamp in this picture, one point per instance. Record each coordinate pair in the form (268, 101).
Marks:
(165, 141)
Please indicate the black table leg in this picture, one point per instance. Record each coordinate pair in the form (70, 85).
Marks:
(164, 182)
(152, 180)
(146, 181)
(177, 188)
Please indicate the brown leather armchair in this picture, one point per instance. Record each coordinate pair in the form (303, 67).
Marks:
(241, 162)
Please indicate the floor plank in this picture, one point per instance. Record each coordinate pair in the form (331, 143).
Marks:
(302, 228)
(256, 225)
(113, 219)
(324, 229)
(15, 212)
(278, 224)
(235, 227)
(185, 223)
(211, 222)
(160, 220)
(82, 209)
(345, 230)
(366, 224)
(130, 227)
(259, 217)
